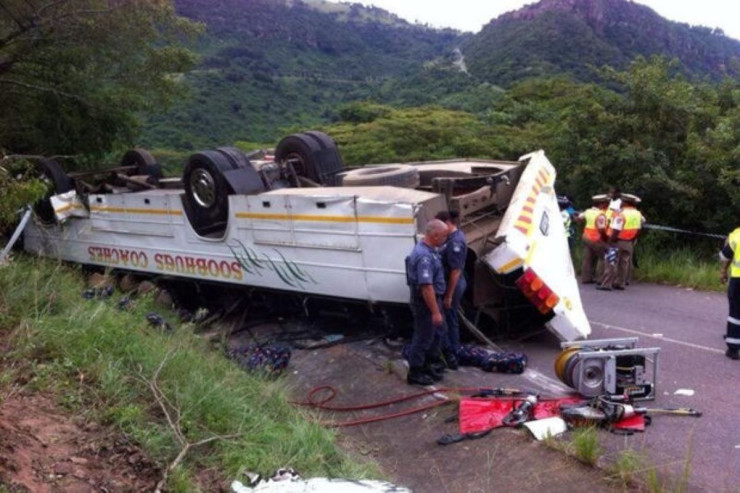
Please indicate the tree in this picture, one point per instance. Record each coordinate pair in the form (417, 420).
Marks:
(380, 134)
(671, 141)
(74, 74)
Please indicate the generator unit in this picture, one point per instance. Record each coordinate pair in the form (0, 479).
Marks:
(608, 367)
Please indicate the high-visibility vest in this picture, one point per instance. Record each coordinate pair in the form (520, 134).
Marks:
(734, 241)
(632, 224)
(590, 231)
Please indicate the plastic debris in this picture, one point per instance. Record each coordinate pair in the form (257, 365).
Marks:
(687, 392)
(98, 293)
(501, 362)
(288, 481)
(268, 358)
(124, 303)
(156, 320)
(547, 427)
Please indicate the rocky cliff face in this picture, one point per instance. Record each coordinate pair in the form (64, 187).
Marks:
(567, 36)
(596, 12)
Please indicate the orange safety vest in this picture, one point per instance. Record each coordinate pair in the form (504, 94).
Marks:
(590, 230)
(632, 224)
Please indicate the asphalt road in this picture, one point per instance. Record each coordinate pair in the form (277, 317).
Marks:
(687, 326)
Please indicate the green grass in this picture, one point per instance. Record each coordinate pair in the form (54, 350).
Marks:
(684, 267)
(657, 484)
(585, 445)
(627, 467)
(102, 360)
(696, 268)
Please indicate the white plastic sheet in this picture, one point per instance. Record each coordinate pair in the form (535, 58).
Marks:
(320, 485)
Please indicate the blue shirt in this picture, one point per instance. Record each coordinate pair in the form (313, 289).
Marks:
(454, 252)
(424, 266)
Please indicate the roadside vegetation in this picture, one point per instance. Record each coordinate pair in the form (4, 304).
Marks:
(682, 267)
(168, 391)
(630, 469)
(671, 259)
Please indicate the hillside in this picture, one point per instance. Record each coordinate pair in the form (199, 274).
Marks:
(269, 64)
(572, 36)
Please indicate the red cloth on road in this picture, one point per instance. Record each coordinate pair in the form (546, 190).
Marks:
(481, 414)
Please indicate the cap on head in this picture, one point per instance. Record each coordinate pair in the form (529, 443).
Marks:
(600, 199)
(631, 199)
(448, 216)
(443, 216)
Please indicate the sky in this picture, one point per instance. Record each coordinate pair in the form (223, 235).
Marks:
(471, 15)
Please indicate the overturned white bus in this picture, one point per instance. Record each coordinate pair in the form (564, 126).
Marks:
(297, 220)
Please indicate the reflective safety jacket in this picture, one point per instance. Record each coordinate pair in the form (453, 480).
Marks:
(595, 221)
(734, 242)
(632, 224)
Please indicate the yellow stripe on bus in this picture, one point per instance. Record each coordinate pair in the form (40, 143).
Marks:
(68, 207)
(331, 219)
(511, 265)
(132, 210)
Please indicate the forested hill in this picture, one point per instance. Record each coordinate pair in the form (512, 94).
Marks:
(572, 36)
(270, 65)
(315, 38)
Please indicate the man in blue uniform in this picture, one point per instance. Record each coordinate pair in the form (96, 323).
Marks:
(454, 252)
(427, 284)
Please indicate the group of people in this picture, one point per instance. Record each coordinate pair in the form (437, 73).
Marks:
(434, 271)
(435, 275)
(611, 228)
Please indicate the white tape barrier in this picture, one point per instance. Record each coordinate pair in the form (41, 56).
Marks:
(685, 231)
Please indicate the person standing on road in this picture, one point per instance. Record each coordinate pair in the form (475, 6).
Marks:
(631, 228)
(426, 280)
(454, 253)
(730, 261)
(594, 236)
(623, 230)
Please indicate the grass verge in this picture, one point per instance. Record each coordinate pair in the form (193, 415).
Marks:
(696, 268)
(103, 362)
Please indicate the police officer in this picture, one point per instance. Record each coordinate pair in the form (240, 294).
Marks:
(730, 260)
(594, 236)
(427, 284)
(623, 230)
(454, 252)
(626, 238)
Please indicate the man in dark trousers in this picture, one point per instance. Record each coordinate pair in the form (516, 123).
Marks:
(730, 261)
(594, 236)
(623, 230)
(426, 281)
(454, 252)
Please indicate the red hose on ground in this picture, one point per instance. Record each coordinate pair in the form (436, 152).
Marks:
(312, 401)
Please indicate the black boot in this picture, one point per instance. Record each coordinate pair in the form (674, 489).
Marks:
(732, 353)
(417, 376)
(434, 370)
(451, 361)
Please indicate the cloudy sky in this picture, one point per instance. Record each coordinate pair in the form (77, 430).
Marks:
(471, 15)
